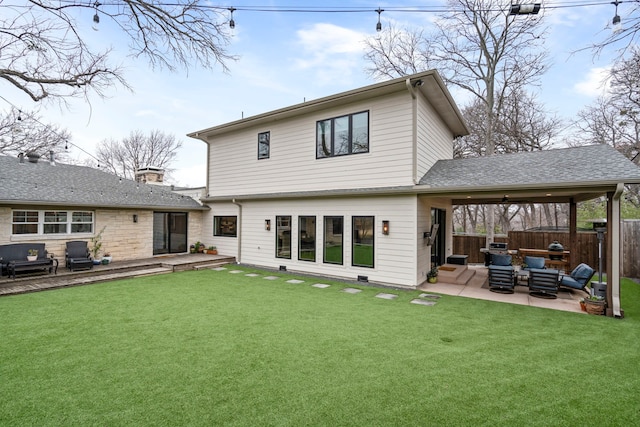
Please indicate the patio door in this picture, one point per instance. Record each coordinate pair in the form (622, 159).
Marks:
(169, 232)
(438, 216)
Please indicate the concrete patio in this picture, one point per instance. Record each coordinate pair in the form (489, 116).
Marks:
(476, 287)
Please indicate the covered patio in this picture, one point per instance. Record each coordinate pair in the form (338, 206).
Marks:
(568, 175)
(476, 287)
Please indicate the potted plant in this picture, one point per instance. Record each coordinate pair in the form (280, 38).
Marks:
(192, 249)
(432, 275)
(199, 247)
(594, 304)
(96, 246)
(212, 250)
(106, 258)
(32, 254)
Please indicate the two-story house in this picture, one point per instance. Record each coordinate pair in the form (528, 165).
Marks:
(328, 186)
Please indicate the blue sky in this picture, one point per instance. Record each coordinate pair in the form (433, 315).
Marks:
(285, 58)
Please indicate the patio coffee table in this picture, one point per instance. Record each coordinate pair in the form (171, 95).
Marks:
(522, 275)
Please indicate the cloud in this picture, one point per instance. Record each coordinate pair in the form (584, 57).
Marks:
(333, 52)
(595, 82)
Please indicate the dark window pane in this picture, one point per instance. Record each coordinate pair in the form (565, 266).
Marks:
(225, 226)
(341, 136)
(283, 237)
(323, 139)
(360, 133)
(363, 238)
(333, 228)
(264, 139)
(307, 244)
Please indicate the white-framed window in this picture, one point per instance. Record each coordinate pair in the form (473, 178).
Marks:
(50, 222)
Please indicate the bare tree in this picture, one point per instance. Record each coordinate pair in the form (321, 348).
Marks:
(614, 118)
(124, 158)
(626, 32)
(23, 132)
(478, 47)
(45, 55)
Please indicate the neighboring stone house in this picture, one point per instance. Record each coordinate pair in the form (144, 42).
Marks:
(53, 203)
(353, 185)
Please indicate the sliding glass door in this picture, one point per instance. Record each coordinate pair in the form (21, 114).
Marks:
(170, 232)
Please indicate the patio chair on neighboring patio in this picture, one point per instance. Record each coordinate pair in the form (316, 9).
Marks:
(543, 283)
(530, 262)
(579, 278)
(78, 256)
(502, 279)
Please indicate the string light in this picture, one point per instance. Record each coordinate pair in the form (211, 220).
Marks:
(616, 18)
(96, 18)
(379, 24)
(232, 23)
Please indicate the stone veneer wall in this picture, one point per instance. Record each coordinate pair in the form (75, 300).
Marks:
(122, 238)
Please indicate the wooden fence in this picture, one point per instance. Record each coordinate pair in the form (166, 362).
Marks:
(587, 246)
(631, 248)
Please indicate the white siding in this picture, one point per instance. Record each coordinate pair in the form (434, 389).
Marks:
(292, 166)
(225, 245)
(394, 255)
(435, 140)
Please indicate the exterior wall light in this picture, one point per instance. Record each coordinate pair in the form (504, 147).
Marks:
(385, 228)
(525, 9)
(267, 224)
(135, 217)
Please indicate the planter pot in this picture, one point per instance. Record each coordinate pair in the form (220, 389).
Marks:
(97, 261)
(212, 251)
(432, 279)
(106, 260)
(32, 257)
(594, 307)
(583, 306)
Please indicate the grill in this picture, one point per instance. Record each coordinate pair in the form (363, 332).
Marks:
(496, 248)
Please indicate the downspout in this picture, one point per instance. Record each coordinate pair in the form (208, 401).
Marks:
(414, 130)
(239, 231)
(615, 251)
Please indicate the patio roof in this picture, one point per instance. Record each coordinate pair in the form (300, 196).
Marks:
(550, 176)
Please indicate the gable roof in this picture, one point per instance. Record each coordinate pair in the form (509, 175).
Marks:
(429, 83)
(69, 185)
(587, 170)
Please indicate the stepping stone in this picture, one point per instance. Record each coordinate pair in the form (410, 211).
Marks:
(236, 271)
(387, 296)
(320, 285)
(272, 277)
(295, 281)
(429, 296)
(252, 275)
(352, 290)
(422, 302)
(219, 268)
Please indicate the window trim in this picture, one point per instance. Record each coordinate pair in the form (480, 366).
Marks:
(332, 121)
(267, 144)
(41, 223)
(324, 239)
(373, 241)
(280, 223)
(217, 226)
(315, 237)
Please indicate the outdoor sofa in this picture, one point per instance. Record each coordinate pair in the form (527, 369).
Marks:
(13, 259)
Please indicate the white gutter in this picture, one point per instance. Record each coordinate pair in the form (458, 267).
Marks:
(239, 230)
(414, 130)
(615, 252)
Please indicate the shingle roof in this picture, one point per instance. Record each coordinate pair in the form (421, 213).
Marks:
(587, 164)
(62, 184)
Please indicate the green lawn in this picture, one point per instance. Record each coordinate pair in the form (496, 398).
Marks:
(213, 348)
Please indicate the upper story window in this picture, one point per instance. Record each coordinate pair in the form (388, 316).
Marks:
(51, 222)
(264, 139)
(342, 135)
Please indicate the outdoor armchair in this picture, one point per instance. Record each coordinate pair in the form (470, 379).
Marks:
(78, 256)
(579, 278)
(530, 262)
(543, 283)
(502, 279)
